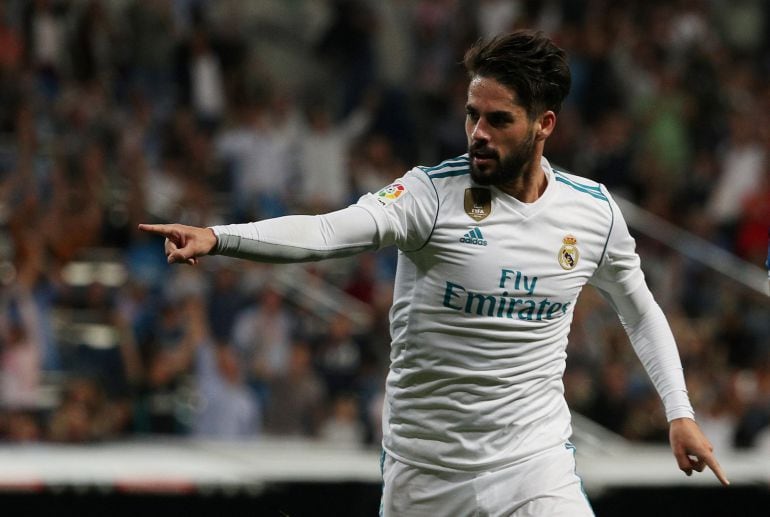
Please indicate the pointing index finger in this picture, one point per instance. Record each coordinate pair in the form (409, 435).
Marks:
(716, 468)
(713, 464)
(160, 229)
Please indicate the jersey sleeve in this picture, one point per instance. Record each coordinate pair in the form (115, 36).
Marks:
(299, 238)
(405, 211)
(619, 271)
(402, 213)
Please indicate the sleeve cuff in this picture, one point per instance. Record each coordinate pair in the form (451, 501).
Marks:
(218, 233)
(677, 404)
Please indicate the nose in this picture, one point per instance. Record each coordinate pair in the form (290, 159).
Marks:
(480, 132)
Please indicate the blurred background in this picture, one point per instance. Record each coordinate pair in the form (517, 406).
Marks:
(116, 112)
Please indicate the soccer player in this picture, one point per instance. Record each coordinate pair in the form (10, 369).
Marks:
(494, 248)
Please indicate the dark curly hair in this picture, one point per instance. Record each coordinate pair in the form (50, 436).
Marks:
(528, 63)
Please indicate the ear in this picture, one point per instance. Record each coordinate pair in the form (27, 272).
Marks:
(545, 125)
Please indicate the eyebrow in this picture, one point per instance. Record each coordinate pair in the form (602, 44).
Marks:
(507, 115)
(469, 106)
(498, 113)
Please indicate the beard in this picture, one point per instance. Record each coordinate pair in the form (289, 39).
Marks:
(502, 171)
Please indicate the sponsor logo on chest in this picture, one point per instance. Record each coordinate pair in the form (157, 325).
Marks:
(474, 237)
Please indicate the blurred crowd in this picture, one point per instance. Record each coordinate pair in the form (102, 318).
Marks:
(209, 112)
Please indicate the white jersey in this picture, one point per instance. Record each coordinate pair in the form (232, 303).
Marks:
(483, 302)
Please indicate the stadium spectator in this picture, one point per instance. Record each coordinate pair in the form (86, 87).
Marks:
(743, 164)
(86, 414)
(325, 181)
(342, 425)
(163, 404)
(226, 408)
(254, 150)
(21, 344)
(262, 334)
(338, 355)
(297, 397)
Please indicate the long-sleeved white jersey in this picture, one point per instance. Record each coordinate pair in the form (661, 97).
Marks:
(483, 300)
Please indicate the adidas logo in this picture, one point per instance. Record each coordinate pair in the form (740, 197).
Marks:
(474, 237)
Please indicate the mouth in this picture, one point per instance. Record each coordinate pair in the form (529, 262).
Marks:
(483, 157)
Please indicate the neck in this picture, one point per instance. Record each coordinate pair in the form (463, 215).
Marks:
(530, 184)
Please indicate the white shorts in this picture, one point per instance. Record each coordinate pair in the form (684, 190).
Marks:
(545, 485)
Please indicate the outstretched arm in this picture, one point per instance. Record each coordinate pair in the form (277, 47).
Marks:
(294, 238)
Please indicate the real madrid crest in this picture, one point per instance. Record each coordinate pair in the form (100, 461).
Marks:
(569, 253)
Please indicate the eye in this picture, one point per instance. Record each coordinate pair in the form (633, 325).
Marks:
(472, 114)
(498, 119)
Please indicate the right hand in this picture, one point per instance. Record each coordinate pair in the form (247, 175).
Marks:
(184, 244)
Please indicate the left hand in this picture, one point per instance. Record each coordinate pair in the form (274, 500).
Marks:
(692, 450)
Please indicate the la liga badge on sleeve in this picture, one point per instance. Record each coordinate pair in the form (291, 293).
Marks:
(390, 193)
